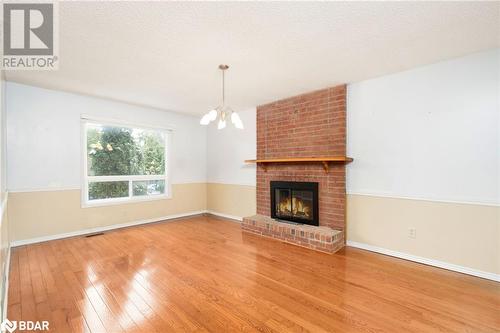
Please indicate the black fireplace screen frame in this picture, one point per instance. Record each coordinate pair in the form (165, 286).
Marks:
(298, 186)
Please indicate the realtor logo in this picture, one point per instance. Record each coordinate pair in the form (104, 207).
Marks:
(29, 36)
(28, 29)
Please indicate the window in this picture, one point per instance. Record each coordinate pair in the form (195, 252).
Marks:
(124, 163)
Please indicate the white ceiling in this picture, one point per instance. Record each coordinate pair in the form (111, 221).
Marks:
(165, 54)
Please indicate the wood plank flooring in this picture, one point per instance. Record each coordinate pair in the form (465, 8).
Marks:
(203, 275)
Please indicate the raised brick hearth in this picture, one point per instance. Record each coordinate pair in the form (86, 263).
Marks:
(322, 239)
(309, 125)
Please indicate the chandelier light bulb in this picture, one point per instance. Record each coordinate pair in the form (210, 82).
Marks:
(205, 120)
(212, 115)
(236, 120)
(221, 124)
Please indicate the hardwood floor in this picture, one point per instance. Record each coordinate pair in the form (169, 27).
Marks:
(202, 274)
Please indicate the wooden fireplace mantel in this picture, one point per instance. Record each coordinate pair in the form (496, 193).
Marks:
(324, 160)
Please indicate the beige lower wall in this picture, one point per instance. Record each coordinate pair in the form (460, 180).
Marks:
(229, 199)
(39, 214)
(462, 234)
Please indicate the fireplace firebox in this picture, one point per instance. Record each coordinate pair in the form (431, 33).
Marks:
(295, 202)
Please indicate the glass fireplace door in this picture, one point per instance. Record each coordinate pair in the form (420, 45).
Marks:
(302, 204)
(283, 202)
(295, 201)
(297, 204)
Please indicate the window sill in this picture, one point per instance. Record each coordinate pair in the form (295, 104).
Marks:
(124, 201)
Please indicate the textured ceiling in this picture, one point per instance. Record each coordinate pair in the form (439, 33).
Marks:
(165, 54)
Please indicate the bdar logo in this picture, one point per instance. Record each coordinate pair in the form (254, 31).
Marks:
(24, 325)
(8, 325)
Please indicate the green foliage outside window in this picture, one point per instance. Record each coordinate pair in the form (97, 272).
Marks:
(108, 190)
(121, 151)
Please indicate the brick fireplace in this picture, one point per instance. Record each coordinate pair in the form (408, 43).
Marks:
(311, 125)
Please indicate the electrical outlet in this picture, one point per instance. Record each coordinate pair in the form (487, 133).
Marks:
(412, 232)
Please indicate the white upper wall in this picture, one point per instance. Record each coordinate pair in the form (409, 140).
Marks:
(44, 142)
(228, 148)
(430, 133)
(3, 146)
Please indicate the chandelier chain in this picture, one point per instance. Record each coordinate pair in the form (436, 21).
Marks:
(223, 89)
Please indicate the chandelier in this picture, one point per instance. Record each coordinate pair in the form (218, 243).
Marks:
(222, 112)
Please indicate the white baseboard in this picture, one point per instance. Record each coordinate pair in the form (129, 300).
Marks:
(5, 298)
(101, 229)
(227, 216)
(426, 261)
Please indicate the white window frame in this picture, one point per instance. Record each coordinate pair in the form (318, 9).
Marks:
(86, 179)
